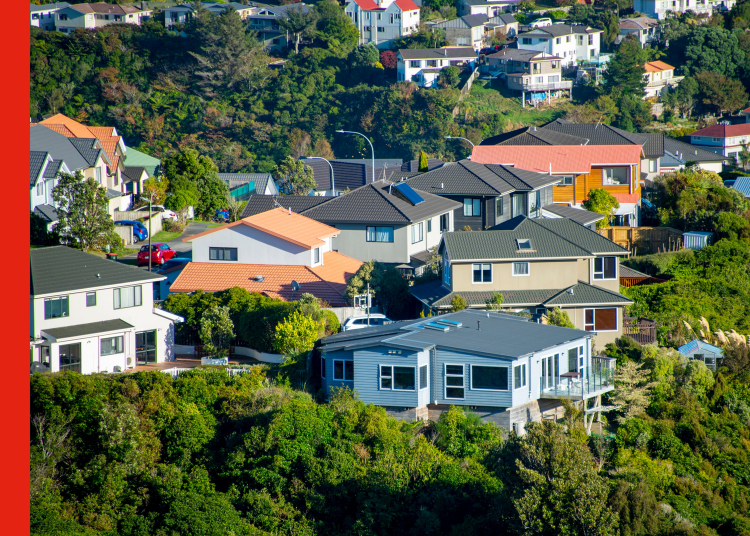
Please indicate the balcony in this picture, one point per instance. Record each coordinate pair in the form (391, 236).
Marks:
(596, 381)
(562, 84)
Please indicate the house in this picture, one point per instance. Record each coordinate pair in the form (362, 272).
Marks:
(133, 178)
(661, 9)
(98, 14)
(645, 29)
(486, 195)
(583, 217)
(44, 16)
(711, 355)
(536, 264)
(722, 138)
(136, 158)
(266, 253)
(504, 368)
(660, 78)
(504, 24)
(45, 173)
(264, 19)
(181, 14)
(423, 65)
(93, 315)
(632, 278)
(243, 185)
(381, 21)
(466, 31)
(571, 43)
(531, 73)
(381, 221)
(678, 155)
(579, 168)
(491, 8)
(742, 185)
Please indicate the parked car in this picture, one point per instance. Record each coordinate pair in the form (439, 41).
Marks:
(140, 232)
(360, 321)
(160, 253)
(173, 263)
(160, 208)
(541, 23)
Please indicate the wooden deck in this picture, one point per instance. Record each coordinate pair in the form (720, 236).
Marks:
(189, 361)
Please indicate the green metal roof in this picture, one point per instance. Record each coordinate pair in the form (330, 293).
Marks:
(134, 158)
(81, 330)
(585, 294)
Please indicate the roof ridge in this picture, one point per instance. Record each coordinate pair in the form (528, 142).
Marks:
(612, 292)
(561, 236)
(389, 201)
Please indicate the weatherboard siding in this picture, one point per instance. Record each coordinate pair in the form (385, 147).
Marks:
(328, 382)
(367, 364)
(542, 275)
(586, 182)
(352, 242)
(472, 397)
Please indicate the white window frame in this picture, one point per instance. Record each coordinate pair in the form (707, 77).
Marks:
(506, 367)
(316, 255)
(137, 297)
(393, 377)
(593, 326)
(481, 273)
(528, 269)
(40, 188)
(595, 272)
(119, 343)
(653, 166)
(445, 380)
(344, 361)
(522, 366)
(564, 180)
(419, 371)
(417, 234)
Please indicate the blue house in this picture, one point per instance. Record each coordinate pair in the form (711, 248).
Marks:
(711, 355)
(505, 368)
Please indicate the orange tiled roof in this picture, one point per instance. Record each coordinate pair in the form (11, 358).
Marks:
(657, 66)
(65, 131)
(71, 128)
(626, 198)
(283, 224)
(326, 283)
(557, 158)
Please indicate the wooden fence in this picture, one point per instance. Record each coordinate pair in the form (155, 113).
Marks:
(156, 220)
(641, 330)
(466, 89)
(644, 240)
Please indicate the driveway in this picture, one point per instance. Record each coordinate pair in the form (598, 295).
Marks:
(183, 249)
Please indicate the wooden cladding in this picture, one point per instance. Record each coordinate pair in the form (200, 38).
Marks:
(584, 183)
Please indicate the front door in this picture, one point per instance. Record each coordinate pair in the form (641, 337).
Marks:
(145, 347)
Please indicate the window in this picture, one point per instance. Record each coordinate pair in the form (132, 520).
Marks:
(446, 269)
(558, 41)
(615, 175)
(519, 376)
(525, 40)
(573, 360)
(524, 244)
(536, 206)
(555, 64)
(472, 207)
(518, 205)
(454, 381)
(70, 357)
(111, 346)
(316, 256)
(652, 166)
(222, 254)
(127, 297)
(444, 220)
(381, 29)
(553, 78)
(367, 16)
(323, 367)
(498, 207)
(429, 226)
(566, 180)
(397, 378)
(482, 273)
(521, 268)
(391, 18)
(367, 28)
(600, 319)
(423, 377)
(489, 378)
(591, 39)
(99, 175)
(567, 39)
(416, 64)
(343, 370)
(40, 188)
(432, 63)
(380, 234)
(715, 139)
(416, 233)
(56, 307)
(90, 299)
(35, 16)
(380, 16)
(605, 268)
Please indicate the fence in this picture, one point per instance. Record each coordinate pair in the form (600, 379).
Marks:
(644, 240)
(125, 232)
(156, 219)
(178, 371)
(466, 89)
(243, 193)
(641, 330)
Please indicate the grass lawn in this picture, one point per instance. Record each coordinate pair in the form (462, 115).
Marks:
(209, 224)
(164, 236)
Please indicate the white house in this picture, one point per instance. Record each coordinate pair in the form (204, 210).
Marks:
(97, 15)
(660, 9)
(180, 14)
(659, 78)
(423, 65)
(491, 8)
(645, 29)
(44, 16)
(93, 315)
(722, 139)
(45, 173)
(571, 43)
(381, 21)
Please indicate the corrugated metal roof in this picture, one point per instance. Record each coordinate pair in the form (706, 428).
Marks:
(742, 185)
(578, 215)
(81, 330)
(693, 346)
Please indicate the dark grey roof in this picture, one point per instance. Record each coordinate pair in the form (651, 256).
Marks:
(654, 146)
(507, 18)
(597, 133)
(133, 173)
(58, 146)
(81, 330)
(38, 159)
(519, 54)
(557, 30)
(89, 148)
(374, 203)
(437, 53)
(585, 294)
(534, 136)
(467, 21)
(63, 269)
(379, 162)
(53, 168)
(581, 236)
(688, 152)
(398, 176)
(47, 212)
(46, 7)
(578, 215)
(298, 203)
(112, 194)
(413, 165)
(519, 337)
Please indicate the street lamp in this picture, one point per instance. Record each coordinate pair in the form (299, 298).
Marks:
(150, 198)
(333, 184)
(458, 138)
(371, 147)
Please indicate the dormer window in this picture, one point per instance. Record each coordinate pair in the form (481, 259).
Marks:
(524, 244)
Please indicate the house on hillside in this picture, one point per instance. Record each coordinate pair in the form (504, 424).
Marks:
(491, 8)
(92, 315)
(267, 253)
(660, 78)
(180, 14)
(98, 14)
(711, 355)
(505, 24)
(423, 65)
(381, 21)
(504, 368)
(678, 155)
(571, 43)
(722, 138)
(659, 9)
(44, 16)
(645, 29)
(531, 73)
(536, 265)
(264, 19)
(476, 30)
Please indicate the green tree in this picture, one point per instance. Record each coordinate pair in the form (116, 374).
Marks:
(156, 189)
(684, 96)
(299, 22)
(448, 77)
(495, 302)
(82, 209)
(366, 55)
(719, 93)
(624, 74)
(297, 334)
(423, 165)
(610, 23)
(581, 13)
(294, 177)
(335, 27)
(632, 388)
(558, 317)
(713, 49)
(458, 303)
(601, 202)
(40, 236)
(732, 226)
(193, 176)
(217, 330)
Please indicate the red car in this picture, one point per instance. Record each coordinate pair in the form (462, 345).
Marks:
(160, 253)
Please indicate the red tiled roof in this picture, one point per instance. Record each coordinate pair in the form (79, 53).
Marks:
(657, 66)
(406, 5)
(367, 5)
(626, 198)
(745, 111)
(325, 282)
(71, 128)
(557, 158)
(724, 131)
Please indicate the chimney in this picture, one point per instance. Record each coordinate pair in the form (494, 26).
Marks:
(290, 211)
(478, 326)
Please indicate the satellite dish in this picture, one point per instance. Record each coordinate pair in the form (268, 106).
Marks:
(295, 286)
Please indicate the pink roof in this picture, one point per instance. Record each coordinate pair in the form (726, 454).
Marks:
(367, 5)
(724, 131)
(406, 5)
(557, 158)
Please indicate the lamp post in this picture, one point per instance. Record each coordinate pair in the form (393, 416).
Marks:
(150, 197)
(458, 138)
(371, 147)
(333, 184)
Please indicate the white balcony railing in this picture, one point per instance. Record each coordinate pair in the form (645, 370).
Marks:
(563, 84)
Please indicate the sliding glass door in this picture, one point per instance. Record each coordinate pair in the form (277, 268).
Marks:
(145, 347)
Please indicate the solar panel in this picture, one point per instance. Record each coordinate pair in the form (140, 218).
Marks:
(408, 192)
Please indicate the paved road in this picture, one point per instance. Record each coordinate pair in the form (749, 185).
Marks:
(183, 249)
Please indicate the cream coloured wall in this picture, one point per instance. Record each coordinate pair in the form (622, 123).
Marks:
(602, 338)
(542, 275)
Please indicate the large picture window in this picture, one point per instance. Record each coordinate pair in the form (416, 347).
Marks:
(127, 297)
(380, 234)
(56, 307)
(605, 268)
(519, 376)
(222, 254)
(482, 273)
(600, 319)
(472, 207)
(343, 371)
(111, 346)
(397, 378)
(489, 378)
(454, 381)
(615, 175)
(70, 357)
(416, 233)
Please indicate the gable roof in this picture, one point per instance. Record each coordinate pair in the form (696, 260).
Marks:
(133, 173)
(38, 163)
(437, 53)
(467, 21)
(406, 5)
(596, 133)
(58, 146)
(556, 158)
(298, 203)
(581, 236)
(137, 158)
(90, 149)
(284, 224)
(60, 269)
(520, 54)
(73, 129)
(723, 131)
(367, 5)
(534, 136)
(654, 146)
(657, 66)
(47, 7)
(687, 152)
(695, 345)
(578, 215)
(46, 212)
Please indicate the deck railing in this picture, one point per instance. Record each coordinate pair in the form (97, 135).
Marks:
(598, 379)
(641, 330)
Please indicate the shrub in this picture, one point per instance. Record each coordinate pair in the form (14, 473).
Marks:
(458, 303)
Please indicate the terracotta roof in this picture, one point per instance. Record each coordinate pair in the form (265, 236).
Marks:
(73, 129)
(658, 66)
(724, 131)
(62, 129)
(406, 5)
(557, 158)
(79, 130)
(626, 198)
(325, 282)
(283, 224)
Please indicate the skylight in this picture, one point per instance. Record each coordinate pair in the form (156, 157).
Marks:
(524, 244)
